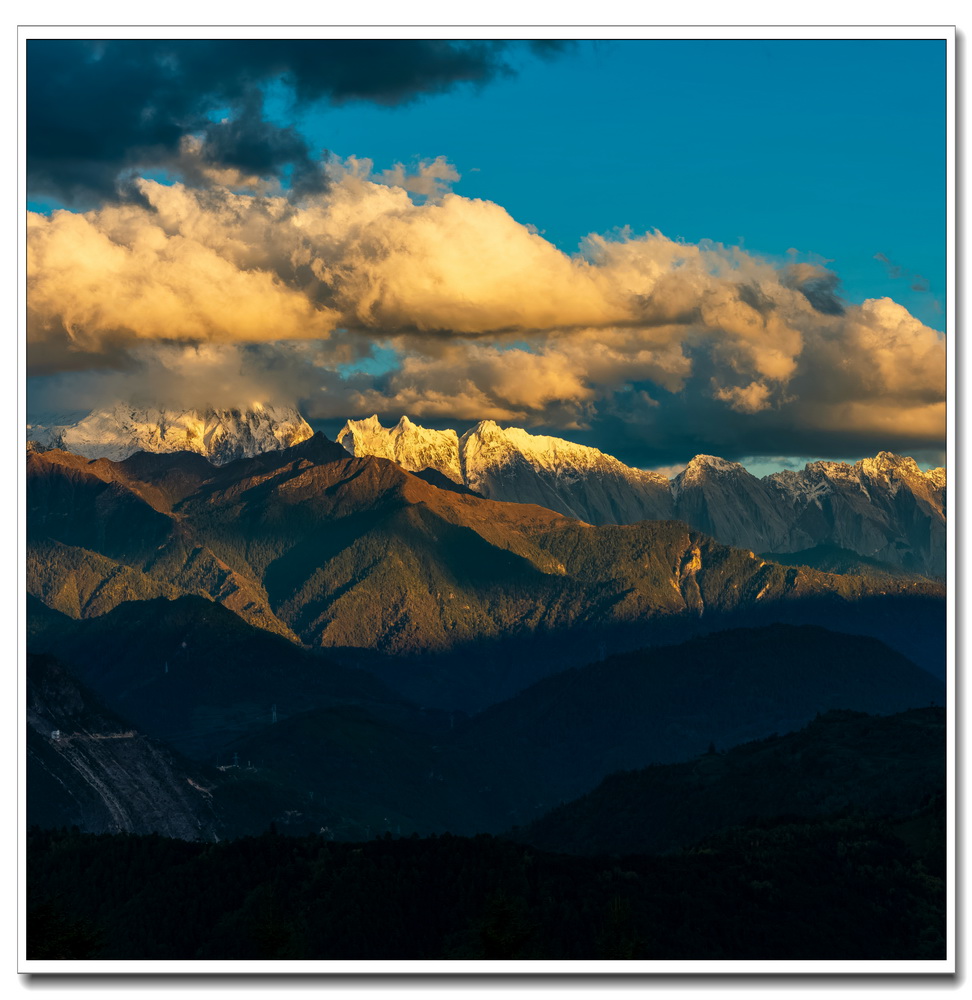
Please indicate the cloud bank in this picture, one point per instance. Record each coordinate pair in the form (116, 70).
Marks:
(658, 345)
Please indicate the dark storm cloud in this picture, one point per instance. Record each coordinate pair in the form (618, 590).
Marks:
(673, 427)
(95, 107)
(250, 144)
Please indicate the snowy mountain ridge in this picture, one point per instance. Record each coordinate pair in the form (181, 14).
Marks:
(414, 448)
(512, 464)
(220, 435)
(885, 508)
(487, 442)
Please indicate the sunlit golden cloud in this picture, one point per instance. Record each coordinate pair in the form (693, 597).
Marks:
(487, 318)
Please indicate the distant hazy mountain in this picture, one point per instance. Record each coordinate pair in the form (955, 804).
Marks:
(330, 550)
(221, 435)
(883, 509)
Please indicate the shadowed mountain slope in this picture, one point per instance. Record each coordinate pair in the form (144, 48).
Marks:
(192, 673)
(566, 732)
(355, 553)
(841, 762)
(311, 746)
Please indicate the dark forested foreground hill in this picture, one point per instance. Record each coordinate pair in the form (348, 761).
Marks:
(466, 601)
(824, 889)
(855, 870)
(842, 761)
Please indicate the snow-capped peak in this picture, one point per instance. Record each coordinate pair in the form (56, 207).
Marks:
(885, 464)
(784, 512)
(412, 447)
(704, 467)
(487, 443)
(702, 463)
(221, 435)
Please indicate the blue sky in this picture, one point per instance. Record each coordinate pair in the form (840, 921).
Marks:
(835, 148)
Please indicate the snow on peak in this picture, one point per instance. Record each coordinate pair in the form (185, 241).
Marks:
(221, 435)
(514, 465)
(413, 447)
(488, 444)
(885, 464)
(484, 429)
(719, 497)
(702, 464)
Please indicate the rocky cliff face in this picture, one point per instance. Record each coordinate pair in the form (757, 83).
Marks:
(511, 464)
(88, 768)
(724, 500)
(221, 436)
(885, 508)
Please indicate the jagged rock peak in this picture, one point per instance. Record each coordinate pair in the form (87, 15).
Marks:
(884, 507)
(413, 447)
(886, 463)
(579, 481)
(713, 462)
(514, 465)
(484, 427)
(703, 465)
(551, 453)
